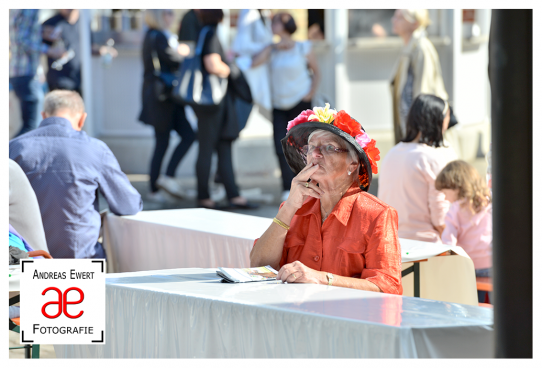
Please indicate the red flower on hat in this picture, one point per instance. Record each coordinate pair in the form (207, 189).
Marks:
(373, 154)
(301, 118)
(347, 124)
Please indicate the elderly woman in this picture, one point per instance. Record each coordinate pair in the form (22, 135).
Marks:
(418, 69)
(330, 230)
(409, 170)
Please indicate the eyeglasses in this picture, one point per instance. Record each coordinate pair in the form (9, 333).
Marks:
(327, 149)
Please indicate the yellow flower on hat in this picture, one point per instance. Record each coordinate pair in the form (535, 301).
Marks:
(323, 114)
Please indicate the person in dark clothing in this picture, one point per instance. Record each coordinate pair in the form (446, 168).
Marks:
(25, 48)
(316, 24)
(190, 26)
(213, 132)
(167, 115)
(62, 30)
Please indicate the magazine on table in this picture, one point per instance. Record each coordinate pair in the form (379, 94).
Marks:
(236, 275)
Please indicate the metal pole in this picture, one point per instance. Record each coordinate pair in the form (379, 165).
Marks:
(86, 67)
(337, 36)
(511, 77)
(417, 279)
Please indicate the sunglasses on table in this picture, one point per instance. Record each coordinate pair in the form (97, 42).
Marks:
(327, 149)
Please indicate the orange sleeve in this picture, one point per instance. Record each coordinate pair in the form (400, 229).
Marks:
(383, 254)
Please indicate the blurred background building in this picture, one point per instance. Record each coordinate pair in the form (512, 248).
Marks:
(356, 53)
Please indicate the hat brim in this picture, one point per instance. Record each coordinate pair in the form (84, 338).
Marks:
(298, 136)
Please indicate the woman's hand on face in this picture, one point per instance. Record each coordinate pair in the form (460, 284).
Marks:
(300, 188)
(298, 272)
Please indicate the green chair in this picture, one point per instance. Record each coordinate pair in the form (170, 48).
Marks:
(30, 351)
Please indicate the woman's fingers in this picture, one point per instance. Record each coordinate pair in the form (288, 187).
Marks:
(306, 173)
(310, 189)
(293, 272)
(316, 188)
(310, 192)
(285, 273)
(292, 278)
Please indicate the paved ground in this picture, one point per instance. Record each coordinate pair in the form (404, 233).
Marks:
(266, 192)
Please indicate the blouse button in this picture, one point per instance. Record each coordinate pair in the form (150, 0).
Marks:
(316, 258)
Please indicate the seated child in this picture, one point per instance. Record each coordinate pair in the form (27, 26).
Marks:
(468, 221)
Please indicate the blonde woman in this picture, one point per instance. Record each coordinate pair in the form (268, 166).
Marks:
(418, 69)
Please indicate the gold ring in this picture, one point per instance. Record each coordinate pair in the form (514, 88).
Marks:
(306, 184)
(295, 277)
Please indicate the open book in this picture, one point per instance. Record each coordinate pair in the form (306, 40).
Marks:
(266, 273)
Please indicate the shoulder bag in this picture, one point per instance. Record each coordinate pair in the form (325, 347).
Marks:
(196, 86)
(163, 81)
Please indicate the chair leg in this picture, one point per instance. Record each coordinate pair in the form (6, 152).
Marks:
(27, 349)
(35, 351)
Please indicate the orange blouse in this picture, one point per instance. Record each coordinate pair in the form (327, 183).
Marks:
(358, 239)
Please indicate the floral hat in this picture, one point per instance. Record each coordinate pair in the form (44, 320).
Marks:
(339, 123)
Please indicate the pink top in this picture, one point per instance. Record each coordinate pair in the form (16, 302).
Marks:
(407, 183)
(472, 232)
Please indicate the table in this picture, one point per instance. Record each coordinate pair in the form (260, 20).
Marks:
(189, 313)
(154, 240)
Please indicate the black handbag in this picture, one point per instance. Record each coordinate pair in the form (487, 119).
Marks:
(163, 81)
(242, 95)
(239, 84)
(196, 87)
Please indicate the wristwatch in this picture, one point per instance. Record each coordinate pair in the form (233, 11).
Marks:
(329, 278)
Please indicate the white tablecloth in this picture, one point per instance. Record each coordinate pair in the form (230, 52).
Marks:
(156, 240)
(189, 313)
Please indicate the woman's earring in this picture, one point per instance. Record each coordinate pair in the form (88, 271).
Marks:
(349, 172)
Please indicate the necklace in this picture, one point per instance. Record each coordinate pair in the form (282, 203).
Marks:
(341, 192)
